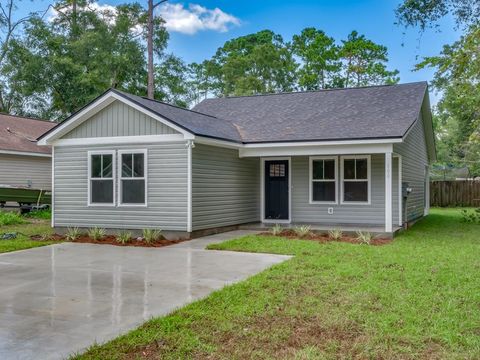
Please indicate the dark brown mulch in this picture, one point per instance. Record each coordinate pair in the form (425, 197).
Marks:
(109, 240)
(323, 238)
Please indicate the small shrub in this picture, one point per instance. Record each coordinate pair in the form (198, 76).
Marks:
(364, 237)
(97, 233)
(72, 233)
(10, 218)
(471, 216)
(276, 229)
(124, 237)
(151, 235)
(335, 234)
(302, 230)
(39, 214)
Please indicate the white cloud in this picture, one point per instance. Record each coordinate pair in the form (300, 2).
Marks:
(107, 11)
(195, 18)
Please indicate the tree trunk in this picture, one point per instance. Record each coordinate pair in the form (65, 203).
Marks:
(150, 83)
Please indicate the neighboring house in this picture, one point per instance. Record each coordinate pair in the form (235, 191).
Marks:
(22, 161)
(330, 157)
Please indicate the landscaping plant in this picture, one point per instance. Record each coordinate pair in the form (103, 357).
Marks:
(151, 235)
(276, 229)
(72, 233)
(302, 230)
(97, 233)
(471, 216)
(335, 234)
(364, 237)
(124, 237)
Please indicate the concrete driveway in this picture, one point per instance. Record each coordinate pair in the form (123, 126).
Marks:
(59, 299)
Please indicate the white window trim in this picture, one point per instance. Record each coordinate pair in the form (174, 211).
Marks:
(144, 178)
(369, 179)
(311, 180)
(101, 152)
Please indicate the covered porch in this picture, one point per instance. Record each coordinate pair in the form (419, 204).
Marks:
(353, 186)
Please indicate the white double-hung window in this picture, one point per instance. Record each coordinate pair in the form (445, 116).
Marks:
(133, 177)
(323, 180)
(355, 182)
(101, 182)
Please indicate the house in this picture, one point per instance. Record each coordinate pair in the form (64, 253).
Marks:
(22, 162)
(332, 158)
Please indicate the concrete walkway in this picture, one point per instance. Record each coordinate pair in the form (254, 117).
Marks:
(59, 299)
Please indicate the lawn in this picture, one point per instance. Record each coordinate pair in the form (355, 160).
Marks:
(417, 297)
(24, 227)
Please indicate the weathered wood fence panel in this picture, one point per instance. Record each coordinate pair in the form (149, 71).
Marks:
(455, 193)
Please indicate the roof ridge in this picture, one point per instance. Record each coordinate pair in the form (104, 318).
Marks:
(27, 118)
(317, 91)
(171, 105)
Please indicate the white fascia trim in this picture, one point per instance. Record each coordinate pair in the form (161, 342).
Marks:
(217, 142)
(322, 143)
(340, 149)
(98, 105)
(116, 140)
(24, 153)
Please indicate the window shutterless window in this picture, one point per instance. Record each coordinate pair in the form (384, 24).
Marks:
(356, 179)
(101, 182)
(323, 180)
(133, 177)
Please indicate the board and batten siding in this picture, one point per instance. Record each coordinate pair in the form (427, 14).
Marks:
(414, 161)
(225, 188)
(23, 170)
(166, 190)
(373, 214)
(119, 119)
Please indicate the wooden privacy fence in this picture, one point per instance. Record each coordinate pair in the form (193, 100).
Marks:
(455, 193)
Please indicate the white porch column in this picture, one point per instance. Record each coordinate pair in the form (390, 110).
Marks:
(388, 192)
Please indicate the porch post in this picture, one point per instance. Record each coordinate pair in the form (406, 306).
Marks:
(388, 192)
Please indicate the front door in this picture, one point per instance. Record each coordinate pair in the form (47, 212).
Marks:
(276, 190)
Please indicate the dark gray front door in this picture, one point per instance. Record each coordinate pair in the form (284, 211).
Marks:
(276, 190)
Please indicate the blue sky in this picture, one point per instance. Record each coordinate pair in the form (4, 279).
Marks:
(196, 32)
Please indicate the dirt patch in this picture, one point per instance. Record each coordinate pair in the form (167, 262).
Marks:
(324, 238)
(108, 240)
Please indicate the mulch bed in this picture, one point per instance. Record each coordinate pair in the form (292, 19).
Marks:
(109, 240)
(323, 238)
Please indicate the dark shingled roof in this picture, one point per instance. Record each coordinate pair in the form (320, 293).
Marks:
(192, 121)
(19, 134)
(355, 113)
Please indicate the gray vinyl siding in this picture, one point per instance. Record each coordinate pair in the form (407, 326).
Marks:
(225, 188)
(166, 189)
(22, 170)
(304, 212)
(414, 159)
(119, 119)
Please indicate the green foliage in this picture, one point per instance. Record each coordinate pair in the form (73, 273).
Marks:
(72, 234)
(10, 218)
(124, 237)
(335, 234)
(24, 231)
(276, 229)
(471, 216)
(96, 233)
(39, 214)
(364, 237)
(426, 13)
(151, 235)
(302, 230)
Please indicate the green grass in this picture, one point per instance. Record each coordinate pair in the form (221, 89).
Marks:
(24, 230)
(10, 218)
(416, 298)
(39, 214)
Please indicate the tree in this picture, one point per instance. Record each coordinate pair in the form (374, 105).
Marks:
(59, 70)
(319, 55)
(458, 78)
(154, 27)
(364, 62)
(254, 64)
(426, 13)
(172, 82)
